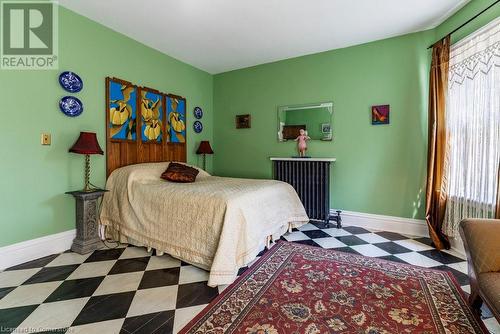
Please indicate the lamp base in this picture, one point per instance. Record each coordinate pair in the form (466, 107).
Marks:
(87, 188)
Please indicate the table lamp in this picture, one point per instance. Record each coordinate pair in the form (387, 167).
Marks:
(87, 144)
(204, 149)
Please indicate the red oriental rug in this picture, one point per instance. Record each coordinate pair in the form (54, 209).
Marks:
(296, 288)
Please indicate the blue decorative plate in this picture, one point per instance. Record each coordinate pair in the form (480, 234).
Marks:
(71, 106)
(198, 113)
(197, 126)
(71, 82)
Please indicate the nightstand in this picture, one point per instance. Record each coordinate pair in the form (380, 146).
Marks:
(87, 226)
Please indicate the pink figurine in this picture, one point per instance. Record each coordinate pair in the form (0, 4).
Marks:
(302, 142)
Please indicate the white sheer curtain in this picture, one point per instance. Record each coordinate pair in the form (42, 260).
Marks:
(473, 124)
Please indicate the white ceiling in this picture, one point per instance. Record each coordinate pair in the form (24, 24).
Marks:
(223, 35)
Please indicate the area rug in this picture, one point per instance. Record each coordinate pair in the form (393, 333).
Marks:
(296, 288)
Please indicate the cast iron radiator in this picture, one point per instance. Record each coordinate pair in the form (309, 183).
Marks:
(311, 180)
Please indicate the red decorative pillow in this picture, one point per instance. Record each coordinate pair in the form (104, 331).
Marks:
(179, 173)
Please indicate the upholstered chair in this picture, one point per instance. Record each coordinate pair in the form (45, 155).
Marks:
(481, 239)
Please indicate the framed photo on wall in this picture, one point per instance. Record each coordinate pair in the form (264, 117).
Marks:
(380, 114)
(326, 128)
(243, 121)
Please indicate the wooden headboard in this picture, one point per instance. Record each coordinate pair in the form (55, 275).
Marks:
(132, 148)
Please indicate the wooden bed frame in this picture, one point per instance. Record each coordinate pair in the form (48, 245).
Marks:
(121, 153)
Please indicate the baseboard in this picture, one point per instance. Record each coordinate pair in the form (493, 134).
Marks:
(407, 226)
(36, 248)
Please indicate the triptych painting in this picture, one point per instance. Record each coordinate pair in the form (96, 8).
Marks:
(157, 116)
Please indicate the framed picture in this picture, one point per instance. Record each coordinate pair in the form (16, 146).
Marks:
(380, 114)
(151, 111)
(121, 102)
(176, 117)
(243, 121)
(326, 128)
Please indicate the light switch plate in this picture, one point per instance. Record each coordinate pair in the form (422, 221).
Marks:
(45, 139)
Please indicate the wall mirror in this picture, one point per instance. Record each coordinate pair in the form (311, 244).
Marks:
(315, 118)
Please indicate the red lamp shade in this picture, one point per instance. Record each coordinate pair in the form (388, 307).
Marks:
(86, 144)
(204, 148)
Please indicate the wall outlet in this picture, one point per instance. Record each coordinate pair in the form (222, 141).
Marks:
(45, 139)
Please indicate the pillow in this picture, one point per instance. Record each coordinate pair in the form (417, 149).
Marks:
(176, 172)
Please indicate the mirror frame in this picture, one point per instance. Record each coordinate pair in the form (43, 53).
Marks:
(304, 106)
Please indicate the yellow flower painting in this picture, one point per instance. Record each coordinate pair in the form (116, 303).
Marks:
(152, 116)
(176, 115)
(122, 110)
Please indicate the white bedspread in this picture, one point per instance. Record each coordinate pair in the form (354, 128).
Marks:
(217, 223)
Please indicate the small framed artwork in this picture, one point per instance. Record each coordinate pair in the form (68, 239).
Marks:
(326, 128)
(380, 114)
(243, 121)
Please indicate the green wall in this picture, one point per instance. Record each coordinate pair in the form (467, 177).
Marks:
(379, 169)
(34, 177)
(468, 11)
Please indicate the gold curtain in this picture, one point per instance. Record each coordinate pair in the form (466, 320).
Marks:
(436, 155)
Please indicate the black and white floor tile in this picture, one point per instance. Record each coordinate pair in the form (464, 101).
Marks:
(127, 290)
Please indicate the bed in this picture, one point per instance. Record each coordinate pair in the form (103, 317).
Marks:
(216, 223)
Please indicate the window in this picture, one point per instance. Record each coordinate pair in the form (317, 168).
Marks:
(473, 127)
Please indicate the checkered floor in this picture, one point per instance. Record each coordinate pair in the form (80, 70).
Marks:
(127, 290)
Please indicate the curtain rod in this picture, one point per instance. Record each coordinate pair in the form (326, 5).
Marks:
(467, 22)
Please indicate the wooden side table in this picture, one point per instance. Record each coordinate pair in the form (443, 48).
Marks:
(87, 229)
